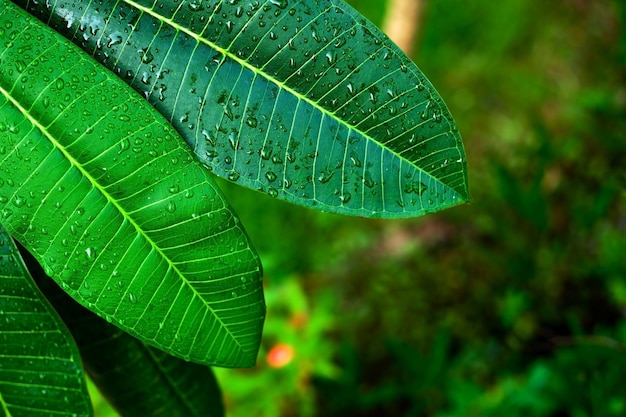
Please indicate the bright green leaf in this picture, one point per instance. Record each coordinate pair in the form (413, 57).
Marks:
(115, 207)
(138, 380)
(303, 99)
(41, 373)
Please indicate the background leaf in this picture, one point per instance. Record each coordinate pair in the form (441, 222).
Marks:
(138, 380)
(303, 99)
(114, 206)
(40, 373)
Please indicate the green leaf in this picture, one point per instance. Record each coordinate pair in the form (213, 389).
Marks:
(115, 207)
(40, 373)
(138, 380)
(303, 99)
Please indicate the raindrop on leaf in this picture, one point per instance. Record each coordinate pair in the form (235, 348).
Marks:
(271, 177)
(280, 3)
(171, 207)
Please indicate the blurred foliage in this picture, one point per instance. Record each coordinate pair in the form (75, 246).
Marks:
(514, 305)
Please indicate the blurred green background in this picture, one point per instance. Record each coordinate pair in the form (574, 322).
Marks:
(514, 305)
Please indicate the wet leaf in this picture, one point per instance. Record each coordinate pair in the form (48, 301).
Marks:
(115, 207)
(137, 379)
(41, 373)
(302, 99)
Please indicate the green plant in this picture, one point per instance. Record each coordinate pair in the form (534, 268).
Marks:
(303, 100)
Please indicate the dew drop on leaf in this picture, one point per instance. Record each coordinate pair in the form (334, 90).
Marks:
(280, 3)
(233, 176)
(90, 253)
(146, 56)
(124, 145)
(252, 122)
(271, 177)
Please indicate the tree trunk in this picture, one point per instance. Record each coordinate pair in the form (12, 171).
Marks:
(402, 22)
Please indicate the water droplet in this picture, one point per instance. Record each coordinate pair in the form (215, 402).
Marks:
(21, 65)
(415, 187)
(355, 160)
(325, 176)
(280, 3)
(351, 89)
(146, 56)
(195, 5)
(132, 298)
(368, 181)
(345, 198)
(233, 176)
(233, 141)
(171, 207)
(124, 145)
(174, 189)
(19, 201)
(90, 253)
(265, 153)
(331, 57)
(251, 121)
(271, 177)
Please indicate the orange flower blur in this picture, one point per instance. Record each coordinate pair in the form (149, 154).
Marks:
(280, 355)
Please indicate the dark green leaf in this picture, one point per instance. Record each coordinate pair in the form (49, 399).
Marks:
(303, 99)
(40, 373)
(115, 207)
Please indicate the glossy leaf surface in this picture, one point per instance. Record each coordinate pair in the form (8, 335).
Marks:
(115, 207)
(40, 374)
(138, 380)
(303, 99)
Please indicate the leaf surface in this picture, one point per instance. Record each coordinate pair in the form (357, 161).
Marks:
(115, 207)
(40, 370)
(137, 379)
(303, 99)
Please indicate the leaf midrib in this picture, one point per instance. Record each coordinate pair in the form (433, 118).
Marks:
(112, 201)
(246, 64)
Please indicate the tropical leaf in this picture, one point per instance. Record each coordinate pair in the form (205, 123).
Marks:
(137, 379)
(115, 207)
(41, 373)
(303, 99)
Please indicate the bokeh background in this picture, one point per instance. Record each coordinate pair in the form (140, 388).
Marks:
(514, 305)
